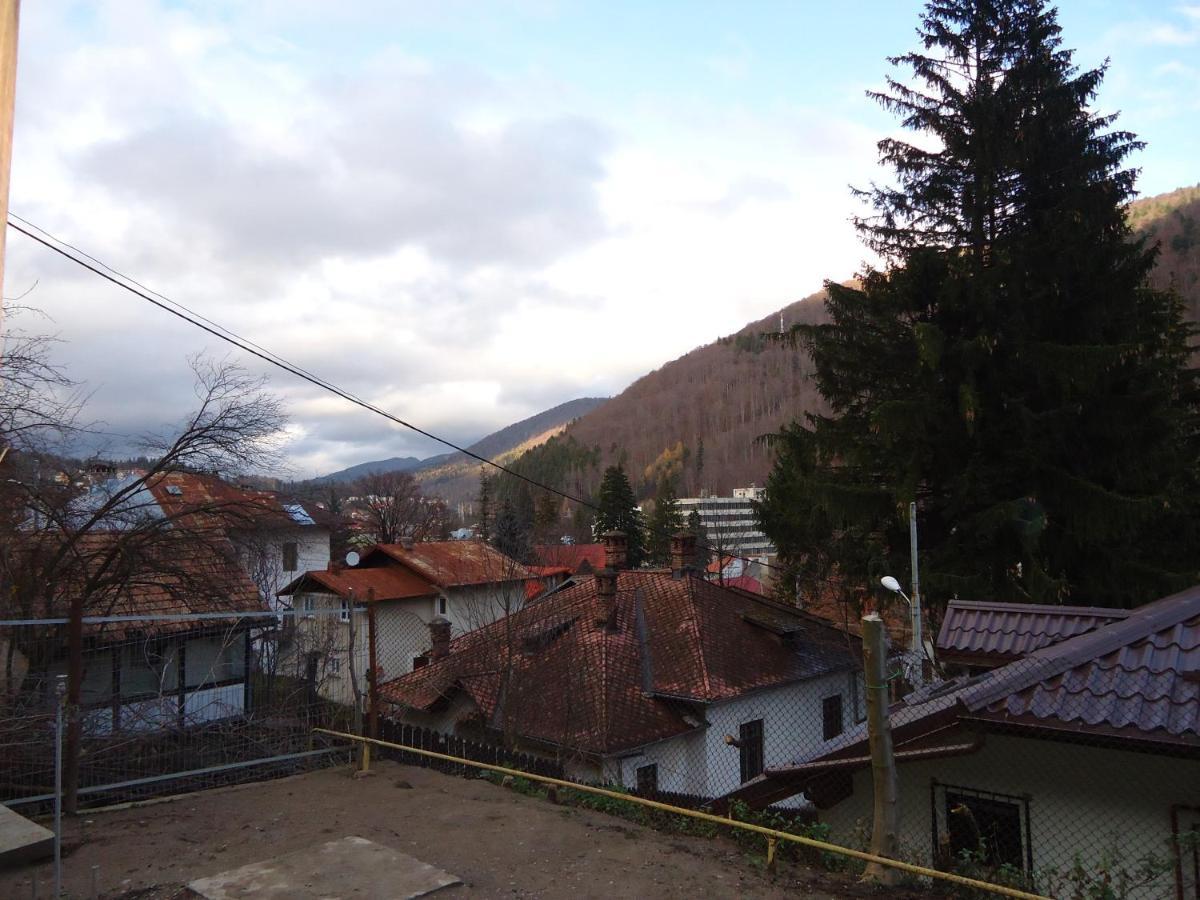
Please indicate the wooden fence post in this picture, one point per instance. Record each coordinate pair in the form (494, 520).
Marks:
(883, 762)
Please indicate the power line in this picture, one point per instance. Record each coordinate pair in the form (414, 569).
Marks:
(108, 273)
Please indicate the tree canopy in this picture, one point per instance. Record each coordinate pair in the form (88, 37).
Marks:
(618, 512)
(1008, 367)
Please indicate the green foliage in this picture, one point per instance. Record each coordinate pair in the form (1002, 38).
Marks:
(561, 463)
(486, 502)
(511, 535)
(665, 521)
(788, 824)
(1010, 369)
(618, 512)
(1112, 876)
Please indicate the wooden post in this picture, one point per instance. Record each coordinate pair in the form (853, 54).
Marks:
(10, 14)
(883, 762)
(373, 662)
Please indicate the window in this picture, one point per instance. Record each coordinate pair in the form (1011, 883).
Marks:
(291, 556)
(441, 606)
(344, 615)
(307, 605)
(334, 665)
(647, 779)
(831, 716)
(988, 825)
(750, 743)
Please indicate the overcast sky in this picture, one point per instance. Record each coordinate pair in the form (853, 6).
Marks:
(469, 212)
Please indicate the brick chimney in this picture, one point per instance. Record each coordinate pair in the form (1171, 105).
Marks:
(439, 635)
(606, 583)
(615, 549)
(683, 553)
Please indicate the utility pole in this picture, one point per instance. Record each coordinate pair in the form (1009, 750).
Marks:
(10, 13)
(918, 645)
(883, 762)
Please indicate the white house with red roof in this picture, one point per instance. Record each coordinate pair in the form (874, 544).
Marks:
(461, 585)
(656, 680)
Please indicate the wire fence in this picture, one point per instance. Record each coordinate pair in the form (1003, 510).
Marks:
(167, 704)
(1073, 772)
(1068, 774)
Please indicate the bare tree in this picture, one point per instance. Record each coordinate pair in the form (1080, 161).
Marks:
(84, 549)
(396, 509)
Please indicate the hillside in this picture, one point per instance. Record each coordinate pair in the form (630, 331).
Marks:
(1173, 220)
(393, 464)
(455, 476)
(700, 416)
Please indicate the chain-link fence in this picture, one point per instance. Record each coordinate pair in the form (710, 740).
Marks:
(167, 704)
(1073, 772)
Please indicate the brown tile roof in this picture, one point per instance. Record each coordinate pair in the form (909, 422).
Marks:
(600, 674)
(998, 632)
(1136, 680)
(173, 575)
(220, 502)
(450, 563)
(579, 558)
(388, 583)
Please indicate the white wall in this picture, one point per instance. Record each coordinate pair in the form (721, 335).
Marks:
(262, 556)
(1082, 800)
(702, 763)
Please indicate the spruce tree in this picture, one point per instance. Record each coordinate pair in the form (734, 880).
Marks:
(510, 536)
(618, 512)
(486, 512)
(664, 523)
(1008, 368)
(695, 527)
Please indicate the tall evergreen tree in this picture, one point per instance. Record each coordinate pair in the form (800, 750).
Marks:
(510, 536)
(664, 522)
(486, 503)
(695, 527)
(1009, 368)
(618, 512)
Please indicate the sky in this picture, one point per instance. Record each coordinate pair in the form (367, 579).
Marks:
(468, 212)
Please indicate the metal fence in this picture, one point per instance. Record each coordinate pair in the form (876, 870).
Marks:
(1069, 775)
(1072, 774)
(167, 704)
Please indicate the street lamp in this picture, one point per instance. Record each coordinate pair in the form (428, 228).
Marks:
(917, 649)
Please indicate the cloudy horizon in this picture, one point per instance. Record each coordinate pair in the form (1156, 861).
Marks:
(465, 213)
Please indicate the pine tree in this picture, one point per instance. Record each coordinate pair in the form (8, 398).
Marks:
(1009, 369)
(696, 529)
(664, 523)
(511, 537)
(618, 512)
(486, 512)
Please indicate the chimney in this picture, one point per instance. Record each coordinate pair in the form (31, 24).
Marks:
(406, 543)
(439, 635)
(614, 549)
(606, 583)
(683, 553)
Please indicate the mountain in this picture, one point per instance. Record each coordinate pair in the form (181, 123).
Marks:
(1173, 220)
(394, 464)
(455, 476)
(700, 416)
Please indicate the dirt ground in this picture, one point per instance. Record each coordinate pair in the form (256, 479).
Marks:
(500, 843)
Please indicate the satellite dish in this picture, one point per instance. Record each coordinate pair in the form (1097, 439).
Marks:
(890, 583)
(352, 558)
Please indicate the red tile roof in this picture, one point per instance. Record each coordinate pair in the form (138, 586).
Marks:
(992, 633)
(387, 582)
(600, 674)
(579, 558)
(450, 563)
(216, 501)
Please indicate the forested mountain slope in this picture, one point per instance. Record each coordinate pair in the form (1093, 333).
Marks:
(1173, 220)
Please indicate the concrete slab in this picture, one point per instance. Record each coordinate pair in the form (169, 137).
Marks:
(22, 841)
(352, 867)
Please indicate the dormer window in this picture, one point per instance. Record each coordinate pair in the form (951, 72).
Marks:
(174, 490)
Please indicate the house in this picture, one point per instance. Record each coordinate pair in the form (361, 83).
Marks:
(466, 584)
(185, 664)
(277, 537)
(656, 680)
(730, 523)
(1080, 760)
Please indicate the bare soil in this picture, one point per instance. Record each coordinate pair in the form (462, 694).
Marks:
(499, 842)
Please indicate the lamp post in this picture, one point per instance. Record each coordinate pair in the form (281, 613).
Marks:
(916, 649)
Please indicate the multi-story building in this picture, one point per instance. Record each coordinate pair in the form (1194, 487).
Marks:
(730, 523)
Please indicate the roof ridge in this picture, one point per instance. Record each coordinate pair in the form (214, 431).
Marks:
(1042, 608)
